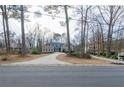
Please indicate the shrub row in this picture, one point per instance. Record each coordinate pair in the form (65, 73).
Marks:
(35, 52)
(114, 55)
(77, 54)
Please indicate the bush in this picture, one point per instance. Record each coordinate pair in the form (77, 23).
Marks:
(113, 53)
(114, 56)
(35, 51)
(85, 55)
(122, 57)
(77, 54)
(103, 54)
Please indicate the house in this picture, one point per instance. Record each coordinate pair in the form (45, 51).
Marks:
(55, 47)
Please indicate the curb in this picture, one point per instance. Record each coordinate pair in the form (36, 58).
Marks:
(83, 65)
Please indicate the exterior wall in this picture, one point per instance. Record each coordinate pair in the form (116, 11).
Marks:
(65, 48)
(47, 48)
(55, 47)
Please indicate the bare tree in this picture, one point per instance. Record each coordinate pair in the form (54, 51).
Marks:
(110, 15)
(84, 15)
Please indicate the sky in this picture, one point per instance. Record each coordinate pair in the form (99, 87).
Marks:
(45, 21)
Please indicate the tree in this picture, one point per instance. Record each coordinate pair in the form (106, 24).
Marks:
(56, 9)
(63, 37)
(4, 28)
(87, 37)
(67, 27)
(29, 37)
(23, 31)
(101, 36)
(94, 44)
(56, 37)
(110, 15)
(7, 28)
(83, 13)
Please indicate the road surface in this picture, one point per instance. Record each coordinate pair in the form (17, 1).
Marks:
(61, 76)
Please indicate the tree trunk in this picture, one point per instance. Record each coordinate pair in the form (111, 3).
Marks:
(23, 32)
(7, 28)
(4, 30)
(94, 47)
(102, 39)
(108, 42)
(67, 27)
(87, 38)
(98, 41)
(82, 34)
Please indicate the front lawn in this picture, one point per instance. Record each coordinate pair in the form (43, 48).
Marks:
(17, 58)
(76, 60)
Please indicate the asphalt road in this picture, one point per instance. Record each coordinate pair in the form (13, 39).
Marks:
(61, 76)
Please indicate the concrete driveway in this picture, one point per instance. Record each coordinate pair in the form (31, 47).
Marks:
(46, 60)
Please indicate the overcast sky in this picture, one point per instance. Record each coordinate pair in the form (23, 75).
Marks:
(45, 21)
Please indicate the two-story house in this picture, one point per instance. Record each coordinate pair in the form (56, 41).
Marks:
(55, 47)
